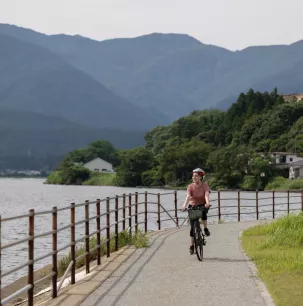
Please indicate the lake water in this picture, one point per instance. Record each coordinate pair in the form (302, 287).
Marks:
(17, 196)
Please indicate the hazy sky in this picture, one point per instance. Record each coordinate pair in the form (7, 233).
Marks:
(234, 24)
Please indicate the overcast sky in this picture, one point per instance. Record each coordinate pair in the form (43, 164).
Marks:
(234, 24)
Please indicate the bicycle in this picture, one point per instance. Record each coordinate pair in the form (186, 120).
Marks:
(194, 214)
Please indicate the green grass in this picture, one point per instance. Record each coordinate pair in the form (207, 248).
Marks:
(281, 183)
(277, 250)
(101, 179)
(139, 240)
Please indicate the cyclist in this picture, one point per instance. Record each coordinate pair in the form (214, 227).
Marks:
(197, 195)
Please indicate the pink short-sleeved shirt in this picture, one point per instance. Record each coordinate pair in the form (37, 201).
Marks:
(197, 193)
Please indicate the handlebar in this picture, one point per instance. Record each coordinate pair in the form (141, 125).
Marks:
(191, 208)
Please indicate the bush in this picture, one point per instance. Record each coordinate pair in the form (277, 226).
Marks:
(101, 179)
(276, 183)
(55, 177)
(251, 182)
(281, 183)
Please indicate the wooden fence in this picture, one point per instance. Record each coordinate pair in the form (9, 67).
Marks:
(122, 214)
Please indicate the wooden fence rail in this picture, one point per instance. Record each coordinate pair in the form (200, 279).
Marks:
(219, 205)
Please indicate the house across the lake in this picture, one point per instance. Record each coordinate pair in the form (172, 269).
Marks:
(291, 161)
(99, 165)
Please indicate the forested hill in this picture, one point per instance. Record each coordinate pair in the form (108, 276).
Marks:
(223, 143)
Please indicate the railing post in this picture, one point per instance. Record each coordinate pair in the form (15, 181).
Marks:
(273, 204)
(145, 207)
(159, 213)
(136, 212)
(239, 209)
(123, 213)
(257, 204)
(87, 236)
(98, 232)
(130, 213)
(116, 223)
(176, 207)
(219, 205)
(107, 228)
(288, 201)
(72, 242)
(54, 256)
(31, 233)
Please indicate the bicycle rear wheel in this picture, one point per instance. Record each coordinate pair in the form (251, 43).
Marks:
(198, 240)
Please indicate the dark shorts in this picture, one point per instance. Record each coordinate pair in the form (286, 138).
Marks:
(204, 217)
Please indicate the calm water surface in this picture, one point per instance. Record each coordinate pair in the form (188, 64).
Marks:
(17, 196)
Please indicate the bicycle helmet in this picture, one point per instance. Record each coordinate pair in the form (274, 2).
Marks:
(199, 171)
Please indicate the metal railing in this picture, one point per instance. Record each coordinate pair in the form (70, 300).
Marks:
(130, 212)
(32, 236)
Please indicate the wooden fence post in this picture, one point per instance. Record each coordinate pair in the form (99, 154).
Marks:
(123, 213)
(116, 223)
(257, 204)
(130, 213)
(136, 212)
(239, 209)
(107, 228)
(159, 213)
(31, 234)
(176, 208)
(87, 237)
(219, 205)
(273, 204)
(72, 242)
(288, 201)
(145, 214)
(98, 232)
(54, 256)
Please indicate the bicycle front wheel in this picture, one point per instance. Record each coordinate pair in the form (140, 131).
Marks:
(198, 240)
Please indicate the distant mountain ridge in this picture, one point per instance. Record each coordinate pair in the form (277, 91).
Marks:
(35, 79)
(170, 75)
(95, 89)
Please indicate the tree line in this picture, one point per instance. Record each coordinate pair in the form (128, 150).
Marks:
(232, 146)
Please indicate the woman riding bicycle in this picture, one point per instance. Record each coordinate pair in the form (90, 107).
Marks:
(197, 195)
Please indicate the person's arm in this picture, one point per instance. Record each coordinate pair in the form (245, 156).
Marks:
(188, 196)
(206, 195)
(207, 199)
(186, 201)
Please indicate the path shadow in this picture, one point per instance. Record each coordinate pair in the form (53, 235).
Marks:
(101, 297)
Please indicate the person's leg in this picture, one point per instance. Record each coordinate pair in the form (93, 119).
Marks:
(191, 233)
(204, 221)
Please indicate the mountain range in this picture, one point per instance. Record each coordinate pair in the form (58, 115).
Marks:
(129, 84)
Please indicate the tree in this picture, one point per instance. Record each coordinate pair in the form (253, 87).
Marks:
(134, 163)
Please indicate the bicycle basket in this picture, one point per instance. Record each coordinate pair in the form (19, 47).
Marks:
(195, 214)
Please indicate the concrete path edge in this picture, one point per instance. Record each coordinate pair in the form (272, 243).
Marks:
(254, 271)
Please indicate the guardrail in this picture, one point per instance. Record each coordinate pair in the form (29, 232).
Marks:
(125, 205)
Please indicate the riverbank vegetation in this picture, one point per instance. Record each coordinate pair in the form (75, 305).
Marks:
(276, 249)
(232, 146)
(139, 240)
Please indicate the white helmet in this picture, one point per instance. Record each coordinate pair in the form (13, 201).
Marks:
(200, 171)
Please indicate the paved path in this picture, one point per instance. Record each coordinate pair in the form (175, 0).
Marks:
(165, 274)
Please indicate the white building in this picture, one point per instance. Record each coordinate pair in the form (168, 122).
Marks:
(285, 157)
(297, 168)
(99, 165)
